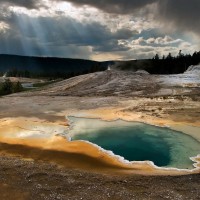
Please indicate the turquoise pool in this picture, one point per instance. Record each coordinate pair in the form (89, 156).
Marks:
(138, 141)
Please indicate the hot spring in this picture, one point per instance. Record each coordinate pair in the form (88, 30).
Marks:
(137, 141)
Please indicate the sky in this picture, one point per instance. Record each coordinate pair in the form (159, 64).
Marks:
(99, 29)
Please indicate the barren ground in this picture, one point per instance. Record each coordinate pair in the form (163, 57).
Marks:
(21, 179)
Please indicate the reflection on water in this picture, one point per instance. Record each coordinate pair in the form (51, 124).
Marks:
(138, 141)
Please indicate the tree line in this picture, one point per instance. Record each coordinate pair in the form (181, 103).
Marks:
(14, 72)
(174, 64)
(157, 65)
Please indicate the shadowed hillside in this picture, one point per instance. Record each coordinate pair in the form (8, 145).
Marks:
(48, 66)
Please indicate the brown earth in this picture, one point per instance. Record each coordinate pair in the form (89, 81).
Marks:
(24, 180)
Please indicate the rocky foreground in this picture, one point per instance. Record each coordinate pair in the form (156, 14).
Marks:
(22, 180)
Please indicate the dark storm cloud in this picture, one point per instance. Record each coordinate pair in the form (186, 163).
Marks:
(58, 36)
(184, 14)
(62, 31)
(115, 6)
(23, 3)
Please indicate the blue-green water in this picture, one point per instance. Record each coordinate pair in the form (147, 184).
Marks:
(138, 141)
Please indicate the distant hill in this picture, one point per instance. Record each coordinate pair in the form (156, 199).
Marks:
(49, 65)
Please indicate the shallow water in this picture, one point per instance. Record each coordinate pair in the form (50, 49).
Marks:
(138, 142)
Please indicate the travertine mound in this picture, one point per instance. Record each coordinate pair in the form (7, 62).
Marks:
(193, 69)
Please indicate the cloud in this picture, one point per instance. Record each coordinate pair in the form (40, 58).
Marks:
(114, 29)
(183, 15)
(30, 4)
(58, 36)
(167, 40)
(179, 14)
(146, 46)
(115, 6)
